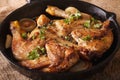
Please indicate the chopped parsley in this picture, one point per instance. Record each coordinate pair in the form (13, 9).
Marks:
(42, 33)
(87, 24)
(42, 37)
(87, 38)
(96, 23)
(77, 15)
(72, 17)
(97, 26)
(24, 35)
(33, 37)
(43, 51)
(93, 19)
(67, 20)
(35, 53)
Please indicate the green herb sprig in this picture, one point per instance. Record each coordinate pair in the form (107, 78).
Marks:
(87, 38)
(42, 33)
(24, 35)
(35, 53)
(87, 24)
(72, 17)
(96, 23)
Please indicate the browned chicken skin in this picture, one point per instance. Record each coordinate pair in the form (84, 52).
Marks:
(22, 47)
(99, 40)
(61, 57)
(57, 45)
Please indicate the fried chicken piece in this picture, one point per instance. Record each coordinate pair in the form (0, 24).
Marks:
(22, 47)
(41, 62)
(61, 57)
(93, 42)
(55, 11)
(74, 19)
(60, 28)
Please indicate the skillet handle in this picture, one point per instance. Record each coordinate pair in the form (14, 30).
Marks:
(112, 17)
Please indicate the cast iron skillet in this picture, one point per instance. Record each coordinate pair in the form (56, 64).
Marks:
(35, 8)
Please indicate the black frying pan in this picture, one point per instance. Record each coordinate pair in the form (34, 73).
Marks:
(35, 8)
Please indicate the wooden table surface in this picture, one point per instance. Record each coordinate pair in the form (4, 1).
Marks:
(111, 72)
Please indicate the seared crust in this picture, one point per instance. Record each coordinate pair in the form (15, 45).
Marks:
(61, 57)
(37, 63)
